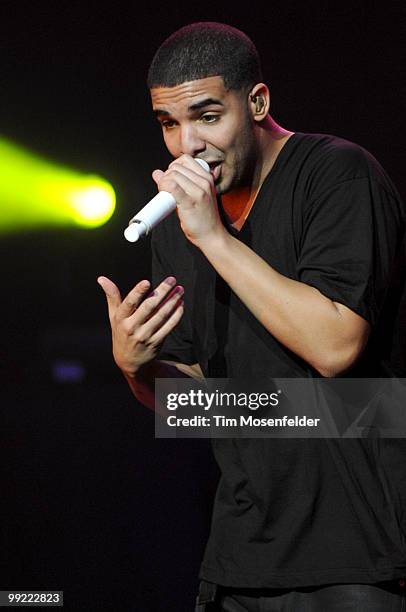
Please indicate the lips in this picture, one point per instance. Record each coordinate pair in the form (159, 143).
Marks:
(215, 169)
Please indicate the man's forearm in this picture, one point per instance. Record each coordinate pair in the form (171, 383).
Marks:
(142, 384)
(325, 334)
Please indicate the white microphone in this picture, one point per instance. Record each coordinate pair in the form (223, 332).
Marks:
(154, 212)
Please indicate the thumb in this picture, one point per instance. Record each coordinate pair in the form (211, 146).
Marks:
(157, 176)
(112, 293)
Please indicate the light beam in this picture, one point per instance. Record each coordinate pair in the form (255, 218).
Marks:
(36, 193)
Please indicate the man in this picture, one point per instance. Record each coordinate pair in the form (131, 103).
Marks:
(287, 258)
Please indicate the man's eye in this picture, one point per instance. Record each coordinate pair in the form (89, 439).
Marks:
(168, 124)
(209, 118)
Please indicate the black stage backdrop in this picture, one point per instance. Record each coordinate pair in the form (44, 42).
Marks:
(91, 503)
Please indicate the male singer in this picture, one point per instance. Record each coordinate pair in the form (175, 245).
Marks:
(284, 261)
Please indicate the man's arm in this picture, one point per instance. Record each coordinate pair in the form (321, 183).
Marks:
(327, 335)
(142, 382)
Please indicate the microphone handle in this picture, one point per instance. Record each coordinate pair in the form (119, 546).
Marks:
(156, 210)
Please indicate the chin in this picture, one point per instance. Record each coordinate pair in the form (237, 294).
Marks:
(223, 186)
(219, 188)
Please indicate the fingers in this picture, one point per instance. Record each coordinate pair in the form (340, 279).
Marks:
(186, 187)
(184, 179)
(148, 307)
(162, 313)
(133, 299)
(189, 178)
(157, 175)
(159, 336)
(188, 167)
(117, 307)
(112, 293)
(138, 306)
(189, 162)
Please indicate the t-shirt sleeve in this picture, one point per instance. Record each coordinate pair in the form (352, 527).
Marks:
(349, 243)
(178, 345)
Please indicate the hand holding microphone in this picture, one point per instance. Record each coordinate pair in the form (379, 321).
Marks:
(154, 212)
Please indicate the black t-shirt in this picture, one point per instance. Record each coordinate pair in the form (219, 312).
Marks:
(301, 512)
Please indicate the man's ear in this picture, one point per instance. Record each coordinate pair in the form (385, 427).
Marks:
(259, 101)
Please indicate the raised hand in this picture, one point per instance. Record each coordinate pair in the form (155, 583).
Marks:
(195, 194)
(141, 321)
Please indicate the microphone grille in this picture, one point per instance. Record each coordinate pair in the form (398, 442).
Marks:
(203, 164)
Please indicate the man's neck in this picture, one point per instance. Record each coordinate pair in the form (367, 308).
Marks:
(238, 203)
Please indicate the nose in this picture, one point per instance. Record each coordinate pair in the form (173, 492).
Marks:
(190, 141)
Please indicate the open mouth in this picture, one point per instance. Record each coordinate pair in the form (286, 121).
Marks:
(215, 169)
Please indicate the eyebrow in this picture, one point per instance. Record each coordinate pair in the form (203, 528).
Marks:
(193, 107)
(205, 102)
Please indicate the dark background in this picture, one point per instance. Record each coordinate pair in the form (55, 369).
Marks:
(91, 502)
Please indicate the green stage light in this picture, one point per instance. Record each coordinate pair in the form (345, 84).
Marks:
(36, 193)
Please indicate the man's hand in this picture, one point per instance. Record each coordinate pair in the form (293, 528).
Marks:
(141, 321)
(195, 194)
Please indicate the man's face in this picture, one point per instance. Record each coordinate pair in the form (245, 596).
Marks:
(204, 119)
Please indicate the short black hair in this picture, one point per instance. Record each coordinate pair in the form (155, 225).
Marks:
(205, 49)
